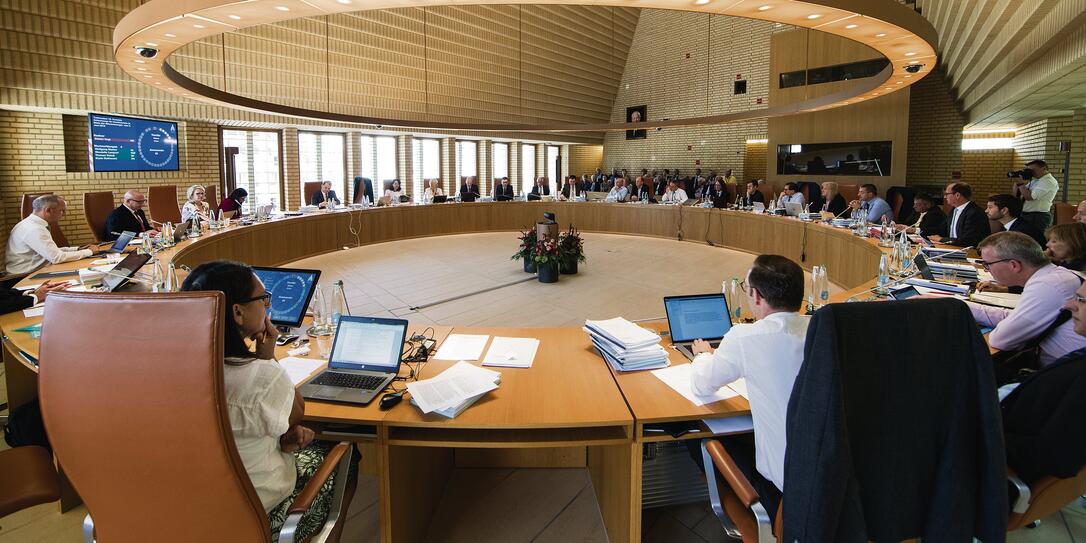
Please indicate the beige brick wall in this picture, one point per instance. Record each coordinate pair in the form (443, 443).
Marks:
(584, 159)
(986, 172)
(683, 64)
(755, 160)
(935, 131)
(33, 159)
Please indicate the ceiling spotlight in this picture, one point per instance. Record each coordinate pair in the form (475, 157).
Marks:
(880, 35)
(344, 2)
(235, 17)
(147, 76)
(889, 88)
(171, 35)
(282, 8)
(763, 8)
(152, 44)
(850, 27)
(908, 76)
(910, 54)
(142, 69)
(814, 16)
(138, 61)
(198, 26)
(701, 2)
(157, 83)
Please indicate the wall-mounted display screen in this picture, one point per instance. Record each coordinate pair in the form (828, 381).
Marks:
(127, 144)
(853, 158)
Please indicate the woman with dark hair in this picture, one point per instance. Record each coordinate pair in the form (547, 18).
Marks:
(231, 205)
(265, 410)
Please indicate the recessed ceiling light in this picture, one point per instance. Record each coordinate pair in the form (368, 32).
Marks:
(814, 16)
(910, 54)
(701, 2)
(151, 44)
(898, 83)
(138, 61)
(344, 2)
(763, 8)
(282, 8)
(889, 88)
(157, 83)
(171, 35)
(142, 69)
(198, 26)
(874, 94)
(147, 76)
(880, 35)
(914, 62)
(235, 17)
(850, 27)
(908, 76)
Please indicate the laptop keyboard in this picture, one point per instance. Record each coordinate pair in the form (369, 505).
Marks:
(348, 380)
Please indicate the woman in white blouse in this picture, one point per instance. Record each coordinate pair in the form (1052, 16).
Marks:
(433, 190)
(265, 410)
(196, 206)
(394, 193)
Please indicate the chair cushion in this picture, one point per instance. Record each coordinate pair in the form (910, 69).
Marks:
(29, 479)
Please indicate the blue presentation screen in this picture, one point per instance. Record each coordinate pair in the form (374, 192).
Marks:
(291, 290)
(126, 144)
(697, 317)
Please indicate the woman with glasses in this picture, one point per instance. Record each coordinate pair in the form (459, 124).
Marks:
(265, 409)
(195, 206)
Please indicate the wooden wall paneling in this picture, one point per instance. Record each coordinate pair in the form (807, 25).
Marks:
(413, 480)
(616, 477)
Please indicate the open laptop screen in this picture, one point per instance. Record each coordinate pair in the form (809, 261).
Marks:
(368, 343)
(123, 271)
(291, 290)
(702, 316)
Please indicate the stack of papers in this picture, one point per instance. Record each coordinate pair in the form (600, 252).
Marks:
(998, 299)
(300, 369)
(938, 285)
(944, 254)
(461, 347)
(626, 346)
(511, 352)
(962, 271)
(453, 390)
(678, 378)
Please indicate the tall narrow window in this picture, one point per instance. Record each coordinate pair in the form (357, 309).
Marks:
(320, 158)
(499, 161)
(527, 167)
(467, 155)
(553, 167)
(427, 162)
(378, 154)
(256, 165)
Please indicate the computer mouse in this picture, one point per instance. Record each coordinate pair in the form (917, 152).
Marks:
(388, 401)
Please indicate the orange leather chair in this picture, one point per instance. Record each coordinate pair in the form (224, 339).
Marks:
(29, 479)
(164, 203)
(1065, 213)
(96, 209)
(1044, 498)
(899, 200)
(309, 189)
(734, 499)
(849, 192)
(211, 198)
(767, 191)
(54, 229)
(146, 440)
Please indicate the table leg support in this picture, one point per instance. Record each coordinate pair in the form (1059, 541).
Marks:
(616, 477)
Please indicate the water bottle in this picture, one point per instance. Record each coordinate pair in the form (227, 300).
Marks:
(194, 228)
(772, 206)
(735, 303)
(339, 303)
(319, 307)
(823, 286)
(157, 278)
(884, 275)
(812, 295)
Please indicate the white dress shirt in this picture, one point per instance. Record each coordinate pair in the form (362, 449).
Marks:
(618, 194)
(1042, 298)
(954, 220)
(31, 246)
(1043, 191)
(192, 209)
(796, 197)
(676, 196)
(1007, 227)
(768, 354)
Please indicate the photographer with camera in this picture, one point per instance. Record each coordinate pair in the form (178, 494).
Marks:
(1037, 188)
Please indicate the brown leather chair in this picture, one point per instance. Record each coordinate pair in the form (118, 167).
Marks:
(849, 192)
(146, 440)
(1043, 498)
(96, 209)
(310, 188)
(948, 210)
(1064, 213)
(163, 199)
(767, 191)
(29, 479)
(27, 205)
(211, 198)
(899, 200)
(734, 499)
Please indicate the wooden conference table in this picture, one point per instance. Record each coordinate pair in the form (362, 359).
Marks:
(568, 410)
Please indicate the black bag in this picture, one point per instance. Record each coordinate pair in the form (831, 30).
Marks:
(1014, 366)
(25, 427)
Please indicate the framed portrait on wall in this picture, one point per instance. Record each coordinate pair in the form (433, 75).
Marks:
(636, 114)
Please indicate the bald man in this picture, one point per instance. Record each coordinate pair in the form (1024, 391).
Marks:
(1080, 213)
(129, 216)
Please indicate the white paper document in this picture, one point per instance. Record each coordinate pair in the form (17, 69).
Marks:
(730, 425)
(461, 347)
(299, 369)
(511, 352)
(678, 378)
(453, 386)
(35, 311)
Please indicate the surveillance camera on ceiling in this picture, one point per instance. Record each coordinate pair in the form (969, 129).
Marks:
(913, 68)
(147, 52)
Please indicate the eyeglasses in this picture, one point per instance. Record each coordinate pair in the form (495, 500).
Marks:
(988, 265)
(266, 298)
(1079, 298)
(137, 201)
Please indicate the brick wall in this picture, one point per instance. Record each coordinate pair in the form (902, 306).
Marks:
(585, 159)
(33, 159)
(755, 160)
(986, 171)
(684, 64)
(1077, 137)
(935, 131)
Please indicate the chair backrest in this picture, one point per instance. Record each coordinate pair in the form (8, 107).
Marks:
(1048, 496)
(27, 208)
(849, 192)
(767, 191)
(1065, 212)
(96, 209)
(210, 197)
(310, 188)
(895, 204)
(948, 210)
(163, 200)
(142, 428)
(994, 226)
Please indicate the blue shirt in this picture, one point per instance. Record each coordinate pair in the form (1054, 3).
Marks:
(876, 209)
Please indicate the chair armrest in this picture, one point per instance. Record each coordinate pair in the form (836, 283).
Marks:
(724, 463)
(1021, 502)
(305, 498)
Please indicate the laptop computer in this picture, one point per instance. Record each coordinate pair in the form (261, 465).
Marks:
(440, 199)
(922, 267)
(181, 231)
(365, 358)
(119, 245)
(698, 316)
(690, 201)
(793, 209)
(123, 271)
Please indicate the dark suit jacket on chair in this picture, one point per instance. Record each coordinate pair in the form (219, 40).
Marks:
(318, 198)
(934, 222)
(363, 187)
(749, 200)
(972, 226)
(504, 194)
(1027, 228)
(122, 220)
(13, 300)
(469, 194)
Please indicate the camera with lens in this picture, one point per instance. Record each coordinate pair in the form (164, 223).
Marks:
(1025, 174)
(913, 68)
(147, 52)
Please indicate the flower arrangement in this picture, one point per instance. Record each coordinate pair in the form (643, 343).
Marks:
(571, 246)
(547, 252)
(526, 250)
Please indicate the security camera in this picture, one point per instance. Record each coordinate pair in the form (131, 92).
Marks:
(913, 68)
(147, 52)
(380, 127)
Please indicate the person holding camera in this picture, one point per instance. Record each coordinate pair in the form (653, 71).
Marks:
(1037, 188)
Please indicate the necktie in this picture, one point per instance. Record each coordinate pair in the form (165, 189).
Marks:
(139, 220)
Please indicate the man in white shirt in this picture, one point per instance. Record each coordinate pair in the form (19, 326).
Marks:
(768, 354)
(619, 193)
(1015, 260)
(1037, 195)
(674, 194)
(790, 194)
(31, 246)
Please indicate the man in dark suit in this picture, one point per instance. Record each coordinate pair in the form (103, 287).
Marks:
(752, 195)
(504, 191)
(1007, 211)
(325, 195)
(927, 219)
(541, 189)
(363, 188)
(469, 191)
(968, 224)
(12, 300)
(128, 216)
